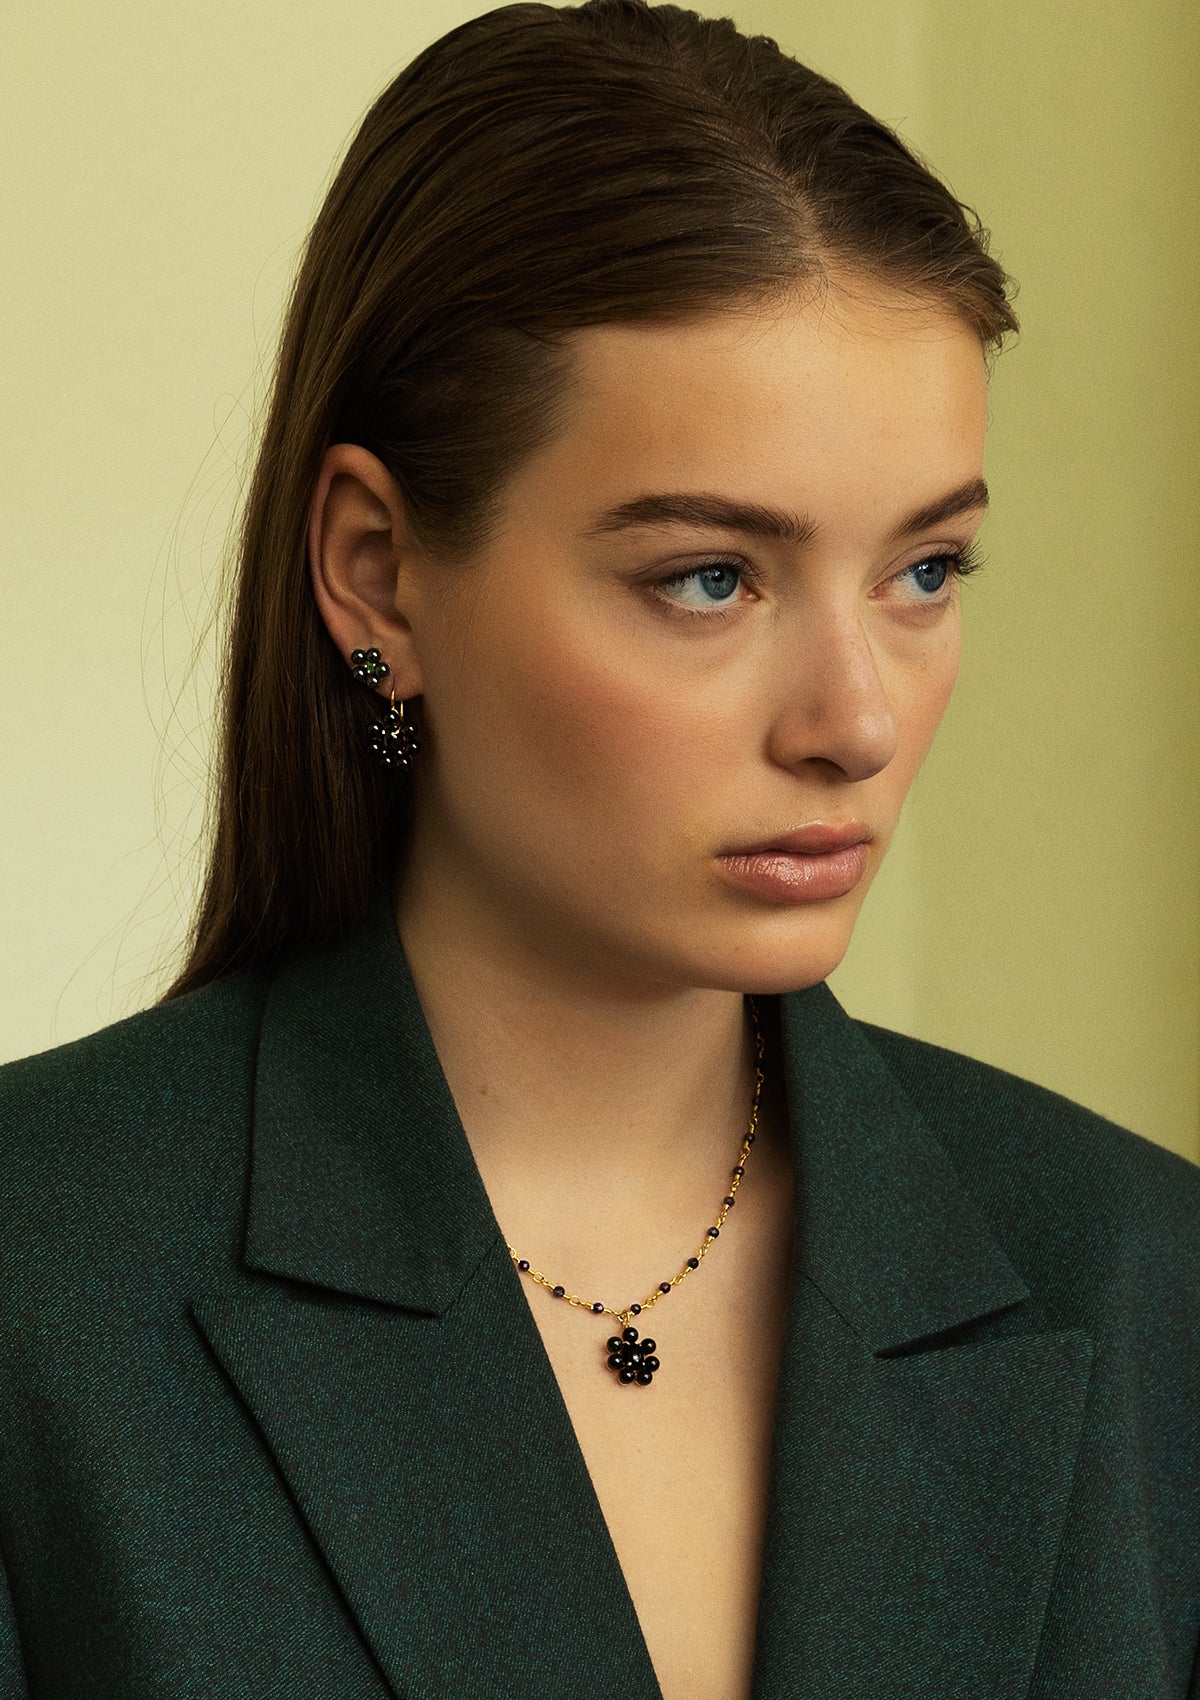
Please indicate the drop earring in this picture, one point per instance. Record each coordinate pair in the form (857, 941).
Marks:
(392, 742)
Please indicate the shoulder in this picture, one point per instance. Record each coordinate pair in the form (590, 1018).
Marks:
(141, 1120)
(991, 1119)
(1085, 1208)
(161, 1057)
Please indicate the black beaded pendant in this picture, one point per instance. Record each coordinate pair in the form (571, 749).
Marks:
(632, 1361)
(393, 742)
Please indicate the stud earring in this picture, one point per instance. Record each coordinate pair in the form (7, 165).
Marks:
(367, 668)
(392, 742)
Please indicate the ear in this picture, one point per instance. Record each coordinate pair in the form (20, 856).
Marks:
(358, 546)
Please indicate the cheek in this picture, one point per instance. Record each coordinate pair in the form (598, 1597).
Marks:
(584, 725)
(597, 730)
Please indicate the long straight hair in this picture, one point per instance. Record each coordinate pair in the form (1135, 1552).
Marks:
(534, 171)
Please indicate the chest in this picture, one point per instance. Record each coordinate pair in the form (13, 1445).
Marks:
(681, 1468)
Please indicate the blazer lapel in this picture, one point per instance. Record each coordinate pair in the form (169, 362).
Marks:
(389, 1357)
(925, 1429)
(926, 1421)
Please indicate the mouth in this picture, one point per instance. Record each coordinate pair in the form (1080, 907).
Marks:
(806, 865)
(817, 839)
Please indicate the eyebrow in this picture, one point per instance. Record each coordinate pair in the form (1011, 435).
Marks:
(703, 509)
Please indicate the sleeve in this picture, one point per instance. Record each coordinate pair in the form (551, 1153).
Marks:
(13, 1682)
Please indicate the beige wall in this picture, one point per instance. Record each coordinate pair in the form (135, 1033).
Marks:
(1041, 904)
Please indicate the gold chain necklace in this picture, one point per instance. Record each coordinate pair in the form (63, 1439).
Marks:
(633, 1360)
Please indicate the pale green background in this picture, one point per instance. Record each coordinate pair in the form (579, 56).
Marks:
(1040, 907)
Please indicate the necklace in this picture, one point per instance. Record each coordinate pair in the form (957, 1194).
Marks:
(632, 1360)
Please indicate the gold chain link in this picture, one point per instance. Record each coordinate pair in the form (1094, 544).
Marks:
(626, 1316)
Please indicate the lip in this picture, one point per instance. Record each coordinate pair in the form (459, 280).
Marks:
(786, 877)
(816, 839)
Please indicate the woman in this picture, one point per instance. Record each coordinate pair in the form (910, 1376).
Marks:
(497, 1265)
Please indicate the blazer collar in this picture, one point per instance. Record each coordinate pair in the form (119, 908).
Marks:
(920, 1472)
(363, 1180)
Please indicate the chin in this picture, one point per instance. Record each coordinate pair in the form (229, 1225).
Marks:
(780, 953)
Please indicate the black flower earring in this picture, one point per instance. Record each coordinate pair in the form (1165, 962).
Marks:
(392, 741)
(367, 668)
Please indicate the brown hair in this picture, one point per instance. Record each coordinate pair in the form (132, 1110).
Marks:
(533, 171)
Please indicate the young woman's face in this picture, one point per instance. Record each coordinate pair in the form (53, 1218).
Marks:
(612, 706)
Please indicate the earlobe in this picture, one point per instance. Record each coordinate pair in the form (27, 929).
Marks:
(356, 536)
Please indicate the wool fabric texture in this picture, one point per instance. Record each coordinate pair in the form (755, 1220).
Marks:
(276, 1419)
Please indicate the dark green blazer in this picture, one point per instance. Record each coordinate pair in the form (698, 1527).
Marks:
(276, 1421)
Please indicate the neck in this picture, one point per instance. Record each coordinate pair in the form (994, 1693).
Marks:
(587, 1100)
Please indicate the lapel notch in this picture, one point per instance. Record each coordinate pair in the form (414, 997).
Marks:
(927, 1422)
(387, 1355)
(362, 1179)
(926, 1419)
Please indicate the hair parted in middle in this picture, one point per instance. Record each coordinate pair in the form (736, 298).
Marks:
(535, 170)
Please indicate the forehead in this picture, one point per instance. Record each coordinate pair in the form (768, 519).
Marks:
(853, 386)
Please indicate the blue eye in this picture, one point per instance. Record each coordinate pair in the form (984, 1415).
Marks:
(951, 563)
(939, 565)
(716, 582)
(712, 587)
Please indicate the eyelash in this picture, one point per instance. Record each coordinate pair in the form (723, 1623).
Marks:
(960, 563)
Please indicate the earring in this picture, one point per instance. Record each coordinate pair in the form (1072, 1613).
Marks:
(392, 741)
(367, 668)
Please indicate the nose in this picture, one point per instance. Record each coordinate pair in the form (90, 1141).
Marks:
(833, 699)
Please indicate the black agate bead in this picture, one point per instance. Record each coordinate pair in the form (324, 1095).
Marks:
(392, 740)
(631, 1359)
(367, 666)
